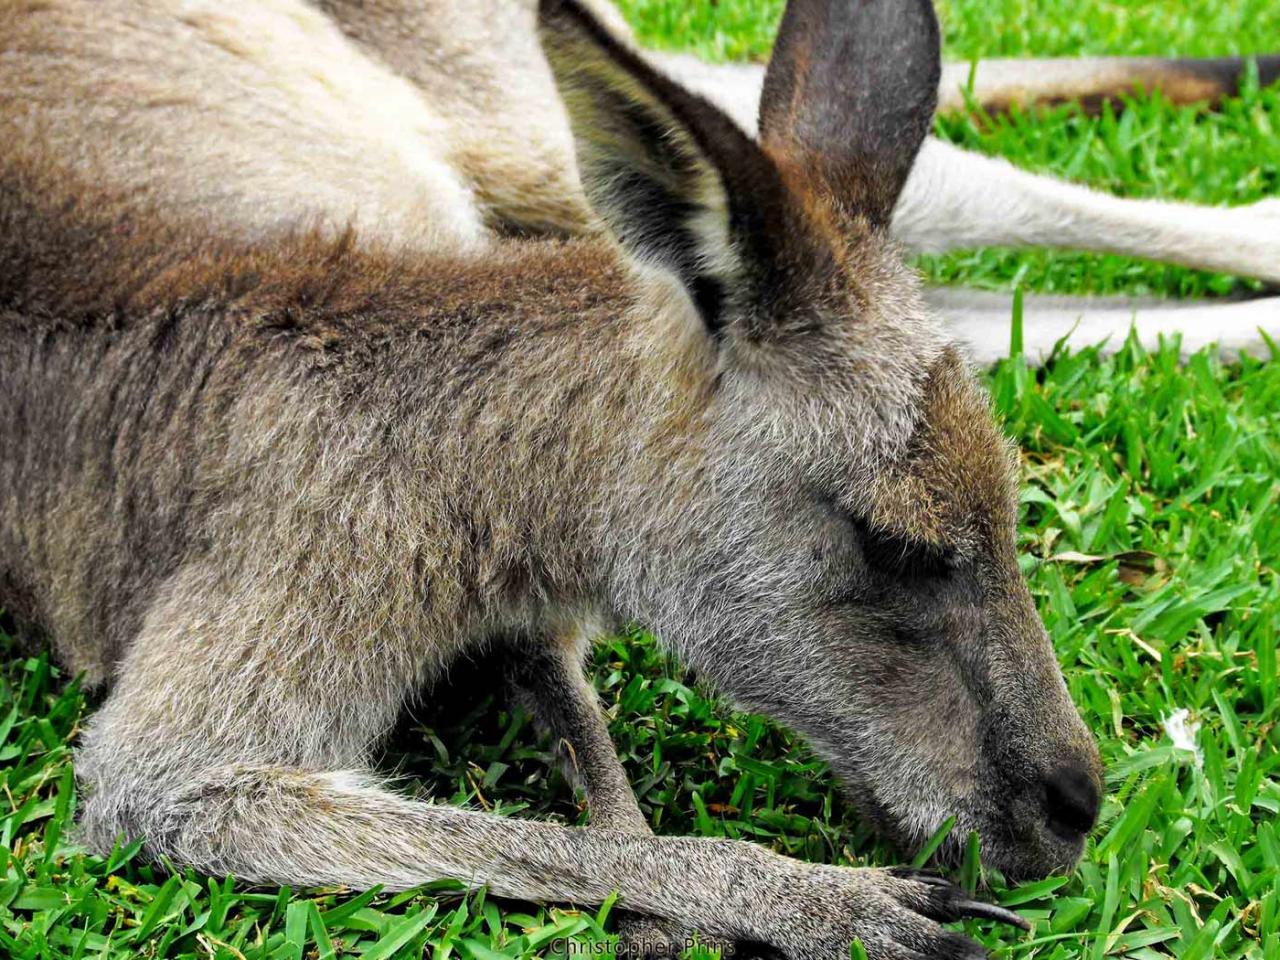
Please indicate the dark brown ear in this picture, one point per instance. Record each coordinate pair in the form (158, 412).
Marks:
(850, 93)
(676, 181)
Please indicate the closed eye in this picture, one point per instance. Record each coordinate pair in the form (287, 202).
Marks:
(901, 557)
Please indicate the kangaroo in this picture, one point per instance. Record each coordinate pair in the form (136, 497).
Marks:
(265, 487)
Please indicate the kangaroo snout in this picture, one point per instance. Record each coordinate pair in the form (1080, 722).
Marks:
(1045, 794)
(1072, 795)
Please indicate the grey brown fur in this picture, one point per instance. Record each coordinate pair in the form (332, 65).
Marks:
(998, 85)
(268, 489)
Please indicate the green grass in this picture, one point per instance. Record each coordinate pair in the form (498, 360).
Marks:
(1149, 540)
(743, 29)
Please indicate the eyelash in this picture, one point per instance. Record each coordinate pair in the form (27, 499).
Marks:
(901, 557)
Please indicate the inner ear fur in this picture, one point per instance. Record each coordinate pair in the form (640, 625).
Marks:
(679, 185)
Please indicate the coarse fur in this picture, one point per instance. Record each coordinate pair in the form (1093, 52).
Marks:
(165, 97)
(999, 84)
(266, 486)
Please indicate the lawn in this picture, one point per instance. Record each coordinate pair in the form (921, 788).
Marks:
(1148, 536)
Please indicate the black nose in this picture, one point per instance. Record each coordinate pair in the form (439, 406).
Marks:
(1070, 802)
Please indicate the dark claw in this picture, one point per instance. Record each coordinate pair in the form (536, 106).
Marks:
(921, 876)
(989, 911)
(954, 903)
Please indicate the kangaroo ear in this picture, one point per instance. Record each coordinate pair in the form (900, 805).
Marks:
(850, 94)
(675, 180)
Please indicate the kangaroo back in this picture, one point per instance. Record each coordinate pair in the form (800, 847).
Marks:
(479, 63)
(257, 116)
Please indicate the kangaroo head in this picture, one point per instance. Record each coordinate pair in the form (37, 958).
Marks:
(833, 540)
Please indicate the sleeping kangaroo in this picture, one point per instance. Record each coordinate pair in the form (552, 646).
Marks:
(269, 488)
